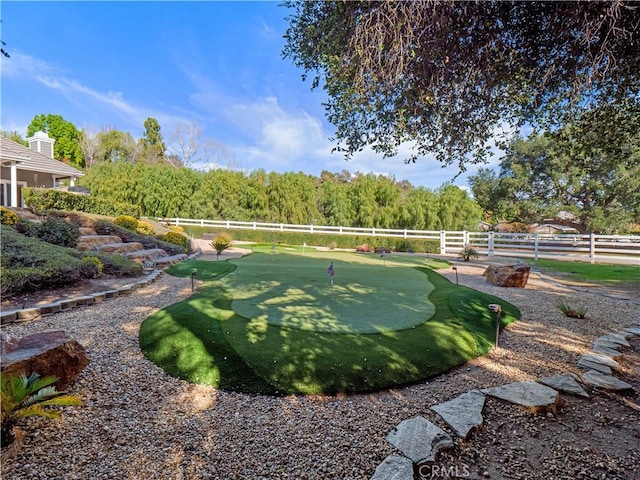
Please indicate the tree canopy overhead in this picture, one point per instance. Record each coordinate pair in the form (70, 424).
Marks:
(446, 75)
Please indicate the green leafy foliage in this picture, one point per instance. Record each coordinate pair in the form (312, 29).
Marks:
(447, 76)
(58, 232)
(7, 217)
(221, 242)
(144, 228)
(67, 146)
(176, 239)
(468, 253)
(31, 396)
(92, 267)
(126, 221)
(40, 200)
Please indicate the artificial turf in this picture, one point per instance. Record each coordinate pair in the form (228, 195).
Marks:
(212, 338)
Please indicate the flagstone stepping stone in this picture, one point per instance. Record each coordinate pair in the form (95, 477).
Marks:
(463, 413)
(622, 333)
(634, 330)
(608, 382)
(609, 352)
(419, 439)
(601, 359)
(565, 382)
(532, 395)
(394, 467)
(614, 339)
(606, 343)
(594, 366)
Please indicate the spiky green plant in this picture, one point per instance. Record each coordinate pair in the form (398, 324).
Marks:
(24, 396)
(572, 311)
(468, 253)
(221, 243)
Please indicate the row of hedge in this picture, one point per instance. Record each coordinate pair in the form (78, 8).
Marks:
(323, 240)
(40, 200)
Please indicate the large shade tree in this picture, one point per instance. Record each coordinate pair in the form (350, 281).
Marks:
(448, 76)
(67, 145)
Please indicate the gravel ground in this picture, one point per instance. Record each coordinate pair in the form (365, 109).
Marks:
(138, 422)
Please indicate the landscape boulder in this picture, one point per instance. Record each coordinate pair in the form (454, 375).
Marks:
(364, 248)
(508, 275)
(47, 353)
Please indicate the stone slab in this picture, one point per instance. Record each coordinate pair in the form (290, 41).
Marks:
(394, 467)
(609, 352)
(463, 413)
(111, 293)
(608, 382)
(601, 359)
(634, 330)
(565, 382)
(594, 366)
(532, 395)
(419, 439)
(623, 334)
(8, 316)
(29, 313)
(51, 307)
(606, 343)
(614, 339)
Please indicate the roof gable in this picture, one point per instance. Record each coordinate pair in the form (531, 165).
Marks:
(31, 160)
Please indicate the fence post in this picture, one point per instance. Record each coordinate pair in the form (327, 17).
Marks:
(592, 248)
(443, 243)
(202, 222)
(490, 245)
(311, 228)
(535, 246)
(405, 233)
(465, 238)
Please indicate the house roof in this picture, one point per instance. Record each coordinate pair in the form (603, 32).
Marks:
(31, 160)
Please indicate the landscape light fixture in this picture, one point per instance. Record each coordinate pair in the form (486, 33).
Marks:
(494, 307)
(455, 269)
(194, 272)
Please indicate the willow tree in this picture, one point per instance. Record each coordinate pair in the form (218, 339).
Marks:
(447, 77)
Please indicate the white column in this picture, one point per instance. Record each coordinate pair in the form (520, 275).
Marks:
(14, 185)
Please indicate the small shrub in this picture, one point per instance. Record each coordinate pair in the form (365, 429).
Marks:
(91, 267)
(176, 228)
(27, 227)
(221, 243)
(333, 245)
(7, 217)
(572, 311)
(468, 253)
(58, 232)
(126, 221)
(24, 396)
(176, 239)
(144, 228)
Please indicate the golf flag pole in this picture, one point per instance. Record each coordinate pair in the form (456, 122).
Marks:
(331, 272)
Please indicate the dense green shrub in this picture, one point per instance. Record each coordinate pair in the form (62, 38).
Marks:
(91, 267)
(177, 239)
(57, 231)
(144, 228)
(27, 227)
(126, 221)
(39, 200)
(7, 217)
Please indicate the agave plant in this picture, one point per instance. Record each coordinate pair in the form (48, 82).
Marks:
(468, 253)
(24, 396)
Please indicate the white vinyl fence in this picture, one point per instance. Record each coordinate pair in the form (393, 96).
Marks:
(592, 248)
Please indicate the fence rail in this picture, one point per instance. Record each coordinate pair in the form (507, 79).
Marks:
(593, 247)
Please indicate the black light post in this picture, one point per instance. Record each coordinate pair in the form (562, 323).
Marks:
(194, 272)
(455, 269)
(494, 307)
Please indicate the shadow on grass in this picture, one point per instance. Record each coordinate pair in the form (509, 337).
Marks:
(203, 340)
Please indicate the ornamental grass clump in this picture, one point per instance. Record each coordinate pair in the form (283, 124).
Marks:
(572, 311)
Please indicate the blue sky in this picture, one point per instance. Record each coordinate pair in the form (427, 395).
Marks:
(218, 64)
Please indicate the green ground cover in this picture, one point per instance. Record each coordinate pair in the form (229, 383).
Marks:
(591, 272)
(269, 323)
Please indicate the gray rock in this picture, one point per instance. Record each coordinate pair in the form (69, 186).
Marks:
(614, 339)
(463, 413)
(532, 395)
(394, 467)
(609, 352)
(601, 359)
(634, 330)
(608, 382)
(622, 334)
(565, 382)
(605, 343)
(594, 366)
(419, 439)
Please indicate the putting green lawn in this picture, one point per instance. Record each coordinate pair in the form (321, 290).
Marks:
(274, 323)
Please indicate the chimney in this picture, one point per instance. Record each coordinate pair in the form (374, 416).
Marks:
(41, 143)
